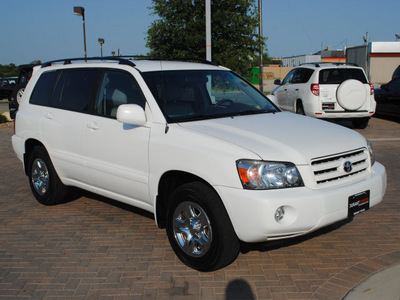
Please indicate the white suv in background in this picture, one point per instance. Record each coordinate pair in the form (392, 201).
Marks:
(332, 91)
(195, 144)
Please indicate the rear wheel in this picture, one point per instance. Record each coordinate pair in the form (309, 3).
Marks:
(300, 109)
(199, 229)
(45, 184)
(360, 123)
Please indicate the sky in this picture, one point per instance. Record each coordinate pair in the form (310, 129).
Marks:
(48, 29)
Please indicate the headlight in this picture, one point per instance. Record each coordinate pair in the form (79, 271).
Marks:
(262, 175)
(371, 152)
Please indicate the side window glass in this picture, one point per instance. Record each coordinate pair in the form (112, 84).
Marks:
(55, 101)
(297, 77)
(289, 77)
(41, 95)
(307, 75)
(302, 76)
(78, 90)
(117, 88)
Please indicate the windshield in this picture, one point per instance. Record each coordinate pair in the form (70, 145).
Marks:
(188, 95)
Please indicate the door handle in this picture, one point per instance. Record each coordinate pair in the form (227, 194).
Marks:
(93, 125)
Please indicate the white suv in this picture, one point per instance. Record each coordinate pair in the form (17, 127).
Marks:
(332, 91)
(195, 144)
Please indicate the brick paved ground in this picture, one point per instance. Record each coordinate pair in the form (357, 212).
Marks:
(94, 248)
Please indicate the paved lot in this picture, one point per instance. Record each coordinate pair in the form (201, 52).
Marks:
(94, 248)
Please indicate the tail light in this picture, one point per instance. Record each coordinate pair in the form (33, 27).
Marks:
(315, 89)
(371, 89)
(11, 97)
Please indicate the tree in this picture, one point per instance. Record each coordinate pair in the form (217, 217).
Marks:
(180, 31)
(8, 70)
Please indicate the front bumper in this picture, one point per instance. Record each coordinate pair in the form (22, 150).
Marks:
(252, 212)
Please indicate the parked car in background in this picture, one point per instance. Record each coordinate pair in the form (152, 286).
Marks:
(7, 85)
(387, 98)
(196, 145)
(396, 73)
(24, 75)
(327, 91)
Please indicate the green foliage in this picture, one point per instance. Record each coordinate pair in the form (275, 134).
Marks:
(3, 119)
(10, 70)
(180, 31)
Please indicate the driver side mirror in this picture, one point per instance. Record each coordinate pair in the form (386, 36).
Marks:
(131, 114)
(277, 82)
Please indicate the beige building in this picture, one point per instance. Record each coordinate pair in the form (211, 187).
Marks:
(379, 59)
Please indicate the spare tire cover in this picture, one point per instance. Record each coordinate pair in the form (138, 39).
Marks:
(351, 94)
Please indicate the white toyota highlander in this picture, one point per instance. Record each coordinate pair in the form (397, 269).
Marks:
(195, 144)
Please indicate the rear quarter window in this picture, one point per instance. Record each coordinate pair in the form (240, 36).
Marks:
(43, 90)
(337, 76)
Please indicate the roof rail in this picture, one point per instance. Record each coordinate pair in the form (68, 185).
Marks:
(318, 64)
(125, 60)
(68, 61)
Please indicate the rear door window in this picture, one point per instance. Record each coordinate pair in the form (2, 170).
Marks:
(337, 76)
(302, 75)
(78, 89)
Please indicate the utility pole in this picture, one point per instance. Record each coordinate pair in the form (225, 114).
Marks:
(208, 30)
(366, 54)
(261, 47)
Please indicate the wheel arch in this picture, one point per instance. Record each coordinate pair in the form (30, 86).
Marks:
(298, 102)
(30, 144)
(169, 181)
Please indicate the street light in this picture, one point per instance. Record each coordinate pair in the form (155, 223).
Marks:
(261, 47)
(80, 11)
(101, 42)
(397, 37)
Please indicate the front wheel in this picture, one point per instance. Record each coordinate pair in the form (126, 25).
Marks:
(199, 229)
(45, 184)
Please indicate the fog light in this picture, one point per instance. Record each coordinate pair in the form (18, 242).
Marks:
(280, 212)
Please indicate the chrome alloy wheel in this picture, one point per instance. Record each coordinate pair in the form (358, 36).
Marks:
(192, 229)
(40, 176)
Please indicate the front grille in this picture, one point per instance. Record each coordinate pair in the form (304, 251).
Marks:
(331, 170)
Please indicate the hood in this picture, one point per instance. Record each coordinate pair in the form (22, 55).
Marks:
(281, 136)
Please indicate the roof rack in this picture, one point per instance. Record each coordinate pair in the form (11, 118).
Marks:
(125, 60)
(318, 64)
(68, 61)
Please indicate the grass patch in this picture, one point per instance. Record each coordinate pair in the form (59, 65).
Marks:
(3, 119)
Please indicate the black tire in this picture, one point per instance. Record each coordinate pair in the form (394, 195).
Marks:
(360, 123)
(45, 184)
(300, 109)
(206, 241)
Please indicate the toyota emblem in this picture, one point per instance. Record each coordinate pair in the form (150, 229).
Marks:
(348, 166)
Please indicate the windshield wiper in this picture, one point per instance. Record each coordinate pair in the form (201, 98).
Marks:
(253, 112)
